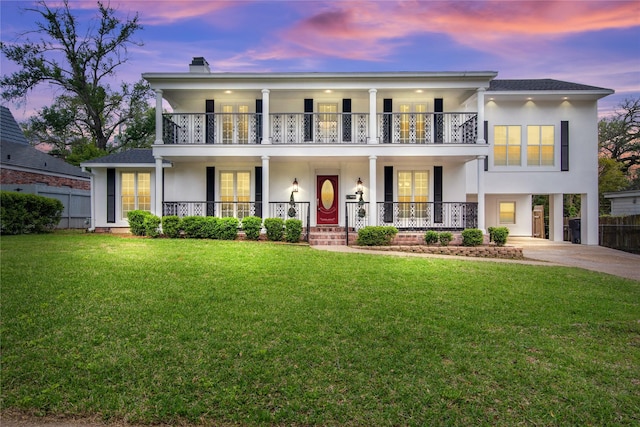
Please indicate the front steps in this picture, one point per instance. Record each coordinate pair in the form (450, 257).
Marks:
(331, 235)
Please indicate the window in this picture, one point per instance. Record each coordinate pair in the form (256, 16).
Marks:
(235, 193)
(327, 123)
(413, 193)
(506, 145)
(540, 145)
(507, 212)
(135, 192)
(235, 124)
(412, 124)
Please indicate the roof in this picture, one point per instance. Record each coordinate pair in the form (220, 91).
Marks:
(620, 194)
(25, 156)
(134, 156)
(9, 129)
(540, 85)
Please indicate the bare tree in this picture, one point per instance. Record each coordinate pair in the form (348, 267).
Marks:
(619, 135)
(80, 66)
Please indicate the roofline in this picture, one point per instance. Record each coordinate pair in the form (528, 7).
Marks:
(322, 75)
(123, 165)
(43, 172)
(617, 194)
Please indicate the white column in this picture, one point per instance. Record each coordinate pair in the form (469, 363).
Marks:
(373, 116)
(158, 117)
(480, 137)
(556, 217)
(265, 186)
(158, 204)
(480, 165)
(589, 218)
(373, 191)
(266, 139)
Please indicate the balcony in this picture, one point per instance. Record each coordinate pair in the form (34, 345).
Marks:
(320, 128)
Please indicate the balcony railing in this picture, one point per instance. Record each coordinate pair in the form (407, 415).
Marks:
(428, 128)
(428, 215)
(319, 128)
(212, 128)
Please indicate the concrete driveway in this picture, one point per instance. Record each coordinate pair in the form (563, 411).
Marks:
(596, 258)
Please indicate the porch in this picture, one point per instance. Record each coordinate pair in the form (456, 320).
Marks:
(405, 216)
(320, 128)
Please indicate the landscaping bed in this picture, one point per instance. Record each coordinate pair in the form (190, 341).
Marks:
(488, 251)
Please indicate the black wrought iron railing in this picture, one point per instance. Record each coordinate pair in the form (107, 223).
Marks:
(319, 128)
(284, 210)
(356, 216)
(211, 128)
(428, 128)
(428, 215)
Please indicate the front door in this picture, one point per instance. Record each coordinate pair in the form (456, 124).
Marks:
(327, 199)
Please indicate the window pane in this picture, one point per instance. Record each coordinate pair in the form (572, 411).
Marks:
(227, 124)
(500, 156)
(547, 158)
(226, 193)
(128, 184)
(243, 124)
(513, 155)
(507, 213)
(533, 155)
(500, 135)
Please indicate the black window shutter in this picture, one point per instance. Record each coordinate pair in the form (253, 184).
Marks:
(486, 140)
(388, 194)
(437, 194)
(564, 145)
(308, 120)
(438, 121)
(387, 120)
(258, 199)
(111, 195)
(211, 190)
(210, 122)
(258, 121)
(346, 120)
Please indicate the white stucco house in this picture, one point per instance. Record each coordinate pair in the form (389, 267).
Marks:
(417, 150)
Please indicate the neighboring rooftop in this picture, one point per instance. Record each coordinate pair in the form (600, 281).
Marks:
(25, 156)
(9, 129)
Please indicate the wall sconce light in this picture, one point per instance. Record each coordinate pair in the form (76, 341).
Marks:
(295, 185)
(359, 188)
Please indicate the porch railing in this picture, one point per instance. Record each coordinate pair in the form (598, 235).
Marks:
(284, 210)
(428, 215)
(356, 216)
(428, 128)
(319, 128)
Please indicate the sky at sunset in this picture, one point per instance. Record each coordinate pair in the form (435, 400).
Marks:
(591, 42)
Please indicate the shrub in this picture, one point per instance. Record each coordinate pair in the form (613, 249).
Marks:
(226, 228)
(500, 235)
(171, 226)
(194, 227)
(27, 213)
(376, 235)
(252, 226)
(209, 227)
(472, 237)
(293, 230)
(152, 225)
(275, 228)
(490, 231)
(445, 238)
(136, 222)
(431, 237)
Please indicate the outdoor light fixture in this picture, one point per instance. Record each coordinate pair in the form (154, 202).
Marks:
(359, 187)
(295, 185)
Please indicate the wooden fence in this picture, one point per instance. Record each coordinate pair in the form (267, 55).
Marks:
(620, 232)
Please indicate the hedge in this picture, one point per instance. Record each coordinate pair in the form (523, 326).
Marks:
(376, 235)
(28, 213)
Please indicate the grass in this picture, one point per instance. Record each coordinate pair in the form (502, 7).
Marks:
(244, 333)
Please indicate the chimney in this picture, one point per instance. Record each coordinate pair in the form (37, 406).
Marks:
(199, 65)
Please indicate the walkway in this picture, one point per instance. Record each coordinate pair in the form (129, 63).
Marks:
(545, 252)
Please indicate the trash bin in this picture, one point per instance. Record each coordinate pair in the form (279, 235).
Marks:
(574, 229)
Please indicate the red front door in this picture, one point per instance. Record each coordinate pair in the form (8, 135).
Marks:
(327, 199)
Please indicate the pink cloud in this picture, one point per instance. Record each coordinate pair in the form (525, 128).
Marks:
(371, 30)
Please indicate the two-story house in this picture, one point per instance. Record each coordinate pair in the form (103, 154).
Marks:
(417, 150)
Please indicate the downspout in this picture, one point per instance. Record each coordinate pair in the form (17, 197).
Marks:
(92, 220)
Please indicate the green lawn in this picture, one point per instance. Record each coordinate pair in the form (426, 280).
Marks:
(245, 333)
